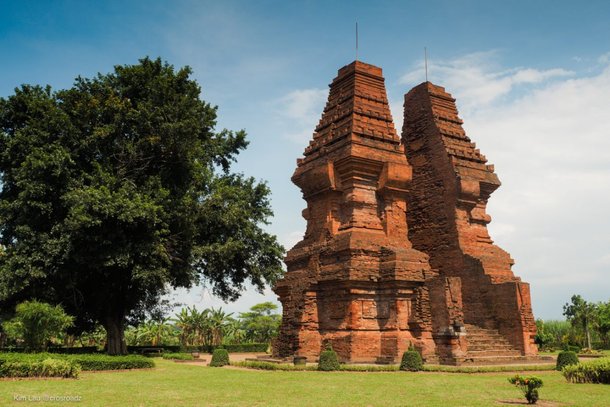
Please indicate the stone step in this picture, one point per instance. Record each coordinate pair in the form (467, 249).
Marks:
(488, 346)
(492, 344)
(505, 348)
(498, 360)
(484, 334)
(493, 352)
(486, 340)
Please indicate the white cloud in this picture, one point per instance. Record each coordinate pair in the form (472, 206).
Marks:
(289, 240)
(604, 260)
(303, 104)
(476, 78)
(551, 149)
(299, 111)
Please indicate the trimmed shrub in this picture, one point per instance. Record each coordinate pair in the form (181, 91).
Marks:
(37, 365)
(178, 356)
(220, 358)
(255, 364)
(107, 362)
(595, 371)
(411, 361)
(328, 360)
(566, 358)
(528, 385)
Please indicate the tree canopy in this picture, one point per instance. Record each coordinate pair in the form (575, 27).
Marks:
(582, 314)
(120, 187)
(261, 323)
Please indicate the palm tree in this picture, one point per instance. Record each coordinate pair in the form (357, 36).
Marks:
(184, 322)
(155, 332)
(218, 325)
(202, 328)
(234, 332)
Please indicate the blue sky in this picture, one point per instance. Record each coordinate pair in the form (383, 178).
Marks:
(531, 78)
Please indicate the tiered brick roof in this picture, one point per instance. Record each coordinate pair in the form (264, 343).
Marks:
(357, 107)
(458, 145)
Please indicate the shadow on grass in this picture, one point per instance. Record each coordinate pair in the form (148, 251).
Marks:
(540, 403)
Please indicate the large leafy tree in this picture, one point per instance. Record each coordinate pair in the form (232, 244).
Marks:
(261, 323)
(120, 187)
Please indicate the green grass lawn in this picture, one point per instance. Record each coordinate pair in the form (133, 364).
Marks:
(174, 384)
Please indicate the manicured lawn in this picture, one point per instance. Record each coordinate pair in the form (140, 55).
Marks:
(174, 384)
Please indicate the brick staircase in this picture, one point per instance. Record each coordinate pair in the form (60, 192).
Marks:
(489, 347)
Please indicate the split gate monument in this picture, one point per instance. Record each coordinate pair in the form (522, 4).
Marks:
(396, 250)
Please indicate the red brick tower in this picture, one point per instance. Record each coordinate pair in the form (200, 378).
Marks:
(354, 280)
(448, 221)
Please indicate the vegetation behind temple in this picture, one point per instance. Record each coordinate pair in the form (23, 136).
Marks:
(252, 331)
(587, 327)
(189, 329)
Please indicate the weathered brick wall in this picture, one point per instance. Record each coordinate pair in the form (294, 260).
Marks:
(354, 280)
(447, 219)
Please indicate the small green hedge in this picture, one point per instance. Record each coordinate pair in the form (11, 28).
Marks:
(254, 364)
(411, 361)
(107, 362)
(178, 356)
(328, 361)
(395, 368)
(486, 369)
(220, 357)
(37, 365)
(566, 358)
(61, 365)
(595, 371)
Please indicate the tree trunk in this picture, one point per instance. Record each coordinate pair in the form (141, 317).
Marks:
(588, 336)
(115, 335)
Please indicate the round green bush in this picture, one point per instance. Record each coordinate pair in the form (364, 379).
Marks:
(220, 357)
(411, 360)
(566, 358)
(328, 361)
